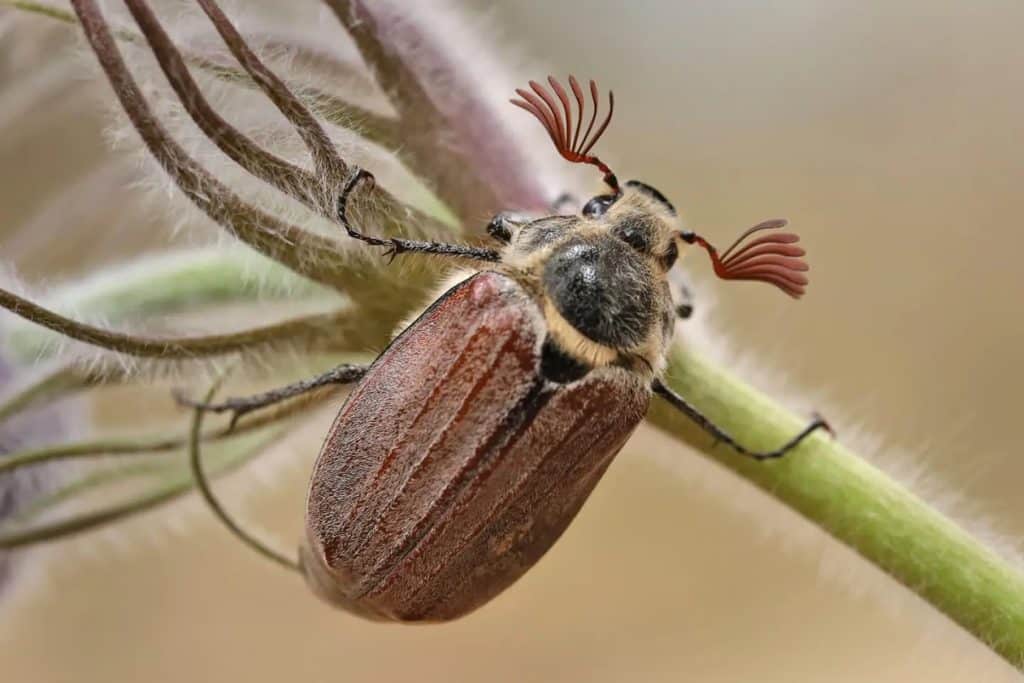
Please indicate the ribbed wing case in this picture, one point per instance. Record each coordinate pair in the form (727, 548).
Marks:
(454, 465)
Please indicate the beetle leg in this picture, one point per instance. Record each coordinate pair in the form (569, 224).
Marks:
(343, 374)
(682, 297)
(684, 310)
(395, 245)
(206, 490)
(720, 435)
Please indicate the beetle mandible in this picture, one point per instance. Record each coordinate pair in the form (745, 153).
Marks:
(468, 446)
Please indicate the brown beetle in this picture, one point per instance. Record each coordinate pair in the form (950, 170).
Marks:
(473, 440)
(484, 463)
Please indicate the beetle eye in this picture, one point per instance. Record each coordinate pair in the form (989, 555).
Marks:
(634, 234)
(598, 205)
(671, 254)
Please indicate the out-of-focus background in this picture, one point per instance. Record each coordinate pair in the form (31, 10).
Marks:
(890, 135)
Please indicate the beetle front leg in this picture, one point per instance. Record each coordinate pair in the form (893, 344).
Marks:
(395, 245)
(683, 406)
(343, 374)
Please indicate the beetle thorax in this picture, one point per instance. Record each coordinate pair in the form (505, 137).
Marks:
(602, 281)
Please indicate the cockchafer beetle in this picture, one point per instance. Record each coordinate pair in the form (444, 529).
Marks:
(469, 445)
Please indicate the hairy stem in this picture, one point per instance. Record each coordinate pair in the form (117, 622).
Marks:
(159, 284)
(330, 168)
(482, 173)
(173, 482)
(261, 163)
(88, 484)
(857, 504)
(150, 444)
(380, 129)
(55, 383)
(305, 328)
(318, 257)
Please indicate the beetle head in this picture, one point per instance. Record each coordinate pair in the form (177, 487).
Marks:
(641, 215)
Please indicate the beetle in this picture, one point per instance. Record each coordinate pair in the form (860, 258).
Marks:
(469, 445)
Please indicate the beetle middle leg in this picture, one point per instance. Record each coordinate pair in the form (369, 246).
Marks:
(683, 406)
(343, 374)
(206, 490)
(682, 297)
(395, 245)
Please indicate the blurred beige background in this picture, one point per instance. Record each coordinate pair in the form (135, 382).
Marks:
(890, 135)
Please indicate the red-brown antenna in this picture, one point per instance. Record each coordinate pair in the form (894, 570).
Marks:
(770, 258)
(564, 134)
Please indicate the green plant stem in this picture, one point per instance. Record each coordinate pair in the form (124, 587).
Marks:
(856, 503)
